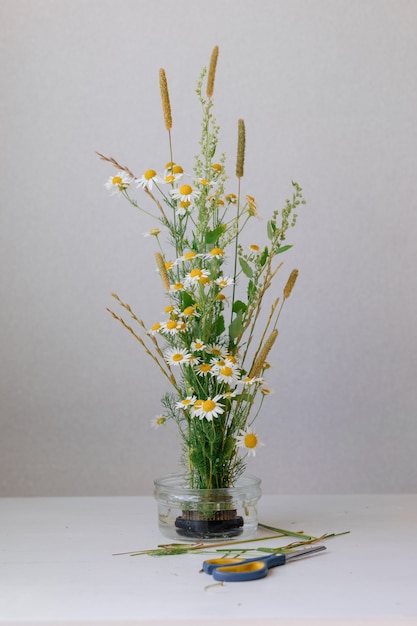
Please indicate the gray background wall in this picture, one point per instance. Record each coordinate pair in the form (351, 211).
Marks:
(328, 92)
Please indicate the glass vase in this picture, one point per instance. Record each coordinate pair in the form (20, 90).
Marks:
(207, 514)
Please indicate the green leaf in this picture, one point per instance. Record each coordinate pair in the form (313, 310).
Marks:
(213, 235)
(251, 290)
(236, 326)
(245, 267)
(239, 306)
(282, 249)
(264, 256)
(220, 326)
(187, 299)
(270, 229)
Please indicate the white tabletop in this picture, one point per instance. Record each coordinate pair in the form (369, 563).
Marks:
(57, 566)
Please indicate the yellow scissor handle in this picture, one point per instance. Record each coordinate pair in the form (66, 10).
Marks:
(254, 566)
(211, 564)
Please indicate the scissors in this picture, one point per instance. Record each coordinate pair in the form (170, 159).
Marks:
(237, 570)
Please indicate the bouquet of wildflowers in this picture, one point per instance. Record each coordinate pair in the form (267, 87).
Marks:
(213, 345)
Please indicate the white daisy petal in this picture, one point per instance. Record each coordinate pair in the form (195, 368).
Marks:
(118, 183)
(148, 179)
(210, 408)
(248, 440)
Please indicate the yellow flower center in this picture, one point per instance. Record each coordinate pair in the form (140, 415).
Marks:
(156, 326)
(184, 204)
(116, 180)
(217, 167)
(204, 181)
(161, 420)
(168, 309)
(231, 358)
(216, 252)
(186, 190)
(169, 265)
(195, 273)
(169, 165)
(177, 357)
(169, 179)
(198, 404)
(205, 367)
(222, 283)
(204, 280)
(189, 255)
(220, 296)
(250, 440)
(171, 324)
(178, 286)
(189, 310)
(177, 169)
(198, 345)
(254, 247)
(154, 231)
(226, 371)
(186, 402)
(208, 405)
(181, 326)
(149, 174)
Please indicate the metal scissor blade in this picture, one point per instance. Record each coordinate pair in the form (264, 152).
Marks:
(300, 554)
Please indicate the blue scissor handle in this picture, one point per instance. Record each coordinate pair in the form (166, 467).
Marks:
(250, 569)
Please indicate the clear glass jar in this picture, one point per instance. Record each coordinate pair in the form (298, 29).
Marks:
(207, 514)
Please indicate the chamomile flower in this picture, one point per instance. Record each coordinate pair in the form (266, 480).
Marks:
(185, 193)
(231, 393)
(169, 309)
(169, 179)
(158, 420)
(186, 403)
(155, 328)
(196, 276)
(118, 183)
(231, 197)
(203, 369)
(187, 257)
(210, 408)
(217, 350)
(253, 247)
(227, 373)
(183, 207)
(217, 167)
(175, 356)
(189, 311)
(206, 182)
(154, 232)
(177, 287)
(248, 440)
(148, 179)
(196, 407)
(170, 327)
(248, 380)
(197, 345)
(174, 171)
(215, 253)
(224, 281)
